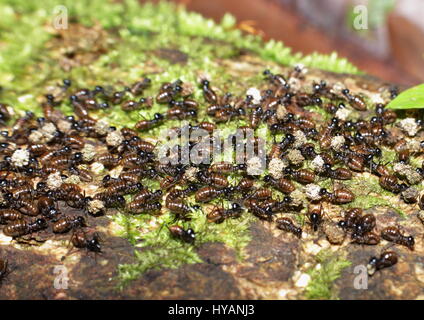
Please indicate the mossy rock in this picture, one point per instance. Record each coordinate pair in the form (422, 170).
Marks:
(118, 43)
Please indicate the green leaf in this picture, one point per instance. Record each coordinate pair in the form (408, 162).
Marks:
(410, 99)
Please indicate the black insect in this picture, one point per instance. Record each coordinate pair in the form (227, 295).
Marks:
(66, 224)
(220, 214)
(20, 227)
(387, 259)
(288, 225)
(315, 217)
(144, 125)
(178, 232)
(80, 240)
(393, 234)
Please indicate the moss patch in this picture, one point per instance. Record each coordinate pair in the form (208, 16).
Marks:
(328, 269)
(160, 250)
(134, 31)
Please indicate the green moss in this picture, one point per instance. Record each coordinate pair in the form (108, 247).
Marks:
(158, 249)
(366, 186)
(368, 193)
(170, 256)
(134, 34)
(320, 111)
(388, 156)
(322, 278)
(161, 250)
(369, 202)
(26, 28)
(416, 162)
(330, 62)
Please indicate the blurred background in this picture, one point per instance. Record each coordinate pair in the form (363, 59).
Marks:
(392, 48)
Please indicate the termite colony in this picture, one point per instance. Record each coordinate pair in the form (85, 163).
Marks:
(48, 162)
